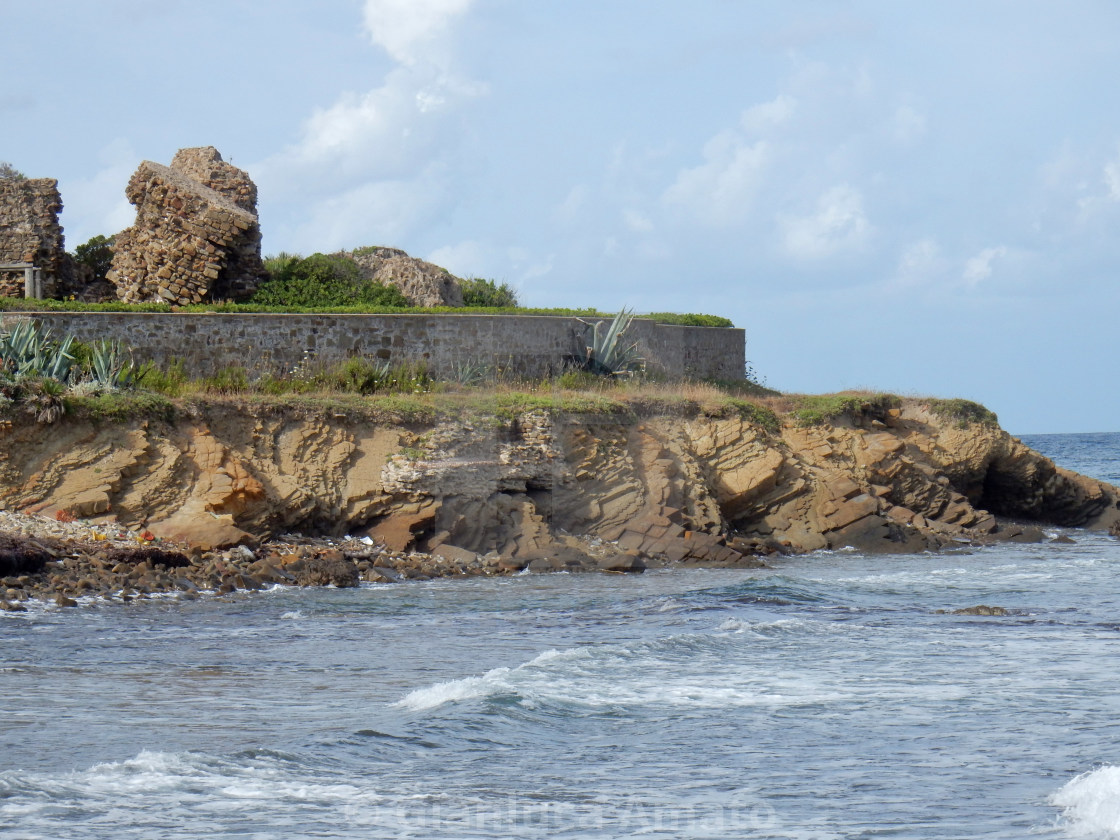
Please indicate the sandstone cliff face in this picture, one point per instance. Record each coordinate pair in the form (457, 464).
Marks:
(670, 489)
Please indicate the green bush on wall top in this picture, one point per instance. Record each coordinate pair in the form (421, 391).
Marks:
(479, 292)
(322, 280)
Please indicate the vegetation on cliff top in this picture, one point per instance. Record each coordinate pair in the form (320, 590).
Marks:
(816, 410)
(686, 319)
(965, 412)
(45, 378)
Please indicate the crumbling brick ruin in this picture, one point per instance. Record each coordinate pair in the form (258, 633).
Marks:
(30, 233)
(196, 236)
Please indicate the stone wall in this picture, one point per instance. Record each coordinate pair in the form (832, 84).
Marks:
(196, 236)
(30, 232)
(526, 345)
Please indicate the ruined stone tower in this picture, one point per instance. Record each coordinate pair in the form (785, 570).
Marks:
(196, 237)
(30, 233)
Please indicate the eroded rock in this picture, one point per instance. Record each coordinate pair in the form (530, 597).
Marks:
(423, 283)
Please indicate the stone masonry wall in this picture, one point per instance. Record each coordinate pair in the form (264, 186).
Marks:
(527, 345)
(30, 232)
(196, 236)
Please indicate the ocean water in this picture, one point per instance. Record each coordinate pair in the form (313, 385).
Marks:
(824, 698)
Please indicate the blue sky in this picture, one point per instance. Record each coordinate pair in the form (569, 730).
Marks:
(915, 197)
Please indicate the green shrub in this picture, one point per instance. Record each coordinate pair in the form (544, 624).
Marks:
(97, 253)
(257, 307)
(280, 385)
(577, 380)
(818, 410)
(356, 375)
(361, 375)
(228, 380)
(117, 406)
(322, 280)
(43, 399)
(485, 293)
(759, 415)
(688, 319)
(965, 412)
(169, 381)
(9, 172)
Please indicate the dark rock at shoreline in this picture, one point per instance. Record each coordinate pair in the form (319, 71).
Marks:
(23, 556)
(980, 609)
(152, 556)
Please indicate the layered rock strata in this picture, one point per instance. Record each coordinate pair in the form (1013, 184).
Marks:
(549, 491)
(196, 237)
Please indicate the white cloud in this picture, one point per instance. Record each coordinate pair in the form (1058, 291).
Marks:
(97, 205)
(637, 222)
(920, 262)
(979, 267)
(366, 151)
(573, 204)
(384, 133)
(908, 124)
(527, 265)
(375, 213)
(472, 258)
(767, 115)
(1112, 177)
(719, 191)
(469, 258)
(410, 30)
(839, 224)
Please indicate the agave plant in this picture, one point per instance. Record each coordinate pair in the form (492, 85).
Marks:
(28, 352)
(607, 354)
(111, 365)
(469, 372)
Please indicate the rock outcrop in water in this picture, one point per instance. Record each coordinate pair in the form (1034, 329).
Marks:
(554, 491)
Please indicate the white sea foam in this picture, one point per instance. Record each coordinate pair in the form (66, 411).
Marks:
(669, 672)
(1090, 804)
(175, 781)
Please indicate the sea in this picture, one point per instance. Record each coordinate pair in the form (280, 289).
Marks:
(834, 695)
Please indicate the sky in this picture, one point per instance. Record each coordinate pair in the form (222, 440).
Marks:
(921, 198)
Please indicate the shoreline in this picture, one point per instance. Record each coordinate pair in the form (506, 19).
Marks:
(228, 497)
(60, 562)
(77, 560)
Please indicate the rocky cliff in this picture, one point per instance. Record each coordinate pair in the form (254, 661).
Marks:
(657, 490)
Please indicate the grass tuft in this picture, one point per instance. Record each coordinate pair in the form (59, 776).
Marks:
(965, 412)
(817, 410)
